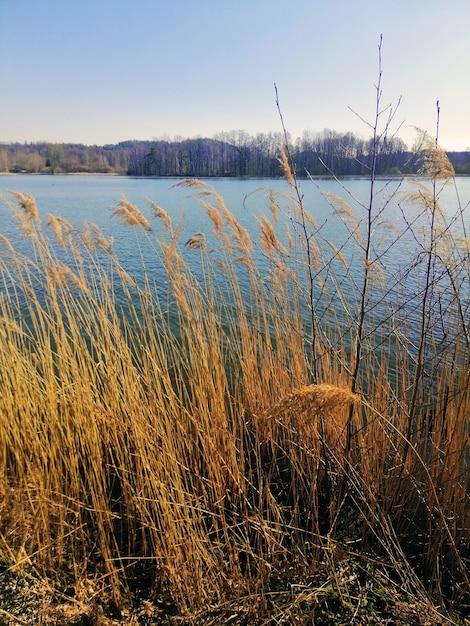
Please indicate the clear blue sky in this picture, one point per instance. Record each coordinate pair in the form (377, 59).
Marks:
(103, 71)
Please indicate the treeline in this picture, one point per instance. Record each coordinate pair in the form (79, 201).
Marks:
(227, 154)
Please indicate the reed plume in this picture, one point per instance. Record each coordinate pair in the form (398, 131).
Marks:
(286, 168)
(27, 203)
(131, 215)
(435, 163)
(197, 241)
(160, 214)
(310, 400)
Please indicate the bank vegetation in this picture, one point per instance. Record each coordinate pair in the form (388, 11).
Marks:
(280, 439)
(228, 154)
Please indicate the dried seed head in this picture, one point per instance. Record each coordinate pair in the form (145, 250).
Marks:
(57, 224)
(61, 274)
(290, 241)
(435, 162)
(286, 168)
(27, 203)
(214, 216)
(268, 237)
(197, 241)
(131, 215)
(191, 182)
(6, 243)
(314, 399)
(160, 213)
(273, 206)
(98, 239)
(337, 254)
(423, 198)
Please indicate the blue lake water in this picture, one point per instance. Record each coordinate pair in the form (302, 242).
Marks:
(92, 198)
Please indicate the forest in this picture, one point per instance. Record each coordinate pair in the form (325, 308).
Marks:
(234, 153)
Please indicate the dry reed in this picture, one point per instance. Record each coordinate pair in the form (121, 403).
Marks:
(179, 444)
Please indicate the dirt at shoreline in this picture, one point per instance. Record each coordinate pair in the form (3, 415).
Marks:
(351, 600)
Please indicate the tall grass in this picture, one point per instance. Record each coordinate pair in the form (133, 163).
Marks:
(216, 437)
(181, 439)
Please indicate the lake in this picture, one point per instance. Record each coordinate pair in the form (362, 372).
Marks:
(91, 198)
(400, 236)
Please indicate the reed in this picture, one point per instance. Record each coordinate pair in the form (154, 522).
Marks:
(239, 432)
(180, 443)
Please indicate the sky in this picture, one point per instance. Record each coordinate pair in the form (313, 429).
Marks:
(104, 71)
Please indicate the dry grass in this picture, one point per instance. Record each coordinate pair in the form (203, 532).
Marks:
(176, 447)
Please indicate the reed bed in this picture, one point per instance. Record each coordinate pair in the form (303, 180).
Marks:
(220, 441)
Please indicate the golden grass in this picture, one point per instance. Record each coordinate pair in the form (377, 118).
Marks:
(181, 445)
